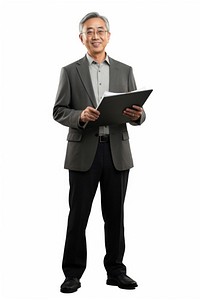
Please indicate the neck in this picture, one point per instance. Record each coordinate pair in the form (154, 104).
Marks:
(99, 57)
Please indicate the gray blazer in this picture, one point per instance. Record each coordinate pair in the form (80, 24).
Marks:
(75, 93)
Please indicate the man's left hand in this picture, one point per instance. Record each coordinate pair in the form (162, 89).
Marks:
(133, 113)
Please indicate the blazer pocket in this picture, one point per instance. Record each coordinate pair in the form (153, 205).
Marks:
(125, 136)
(74, 137)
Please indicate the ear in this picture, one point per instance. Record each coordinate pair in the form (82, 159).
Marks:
(109, 34)
(81, 38)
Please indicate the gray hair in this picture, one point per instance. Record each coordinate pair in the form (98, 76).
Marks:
(93, 15)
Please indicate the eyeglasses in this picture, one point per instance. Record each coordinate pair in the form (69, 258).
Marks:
(92, 32)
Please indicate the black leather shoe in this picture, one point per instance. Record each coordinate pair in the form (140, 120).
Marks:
(70, 285)
(122, 281)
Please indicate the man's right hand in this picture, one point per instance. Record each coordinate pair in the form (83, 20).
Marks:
(89, 114)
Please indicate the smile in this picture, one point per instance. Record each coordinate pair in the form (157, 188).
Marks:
(96, 44)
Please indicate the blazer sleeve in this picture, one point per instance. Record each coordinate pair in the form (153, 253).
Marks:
(131, 80)
(63, 111)
(132, 87)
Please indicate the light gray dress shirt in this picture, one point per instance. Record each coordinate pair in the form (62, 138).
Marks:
(99, 74)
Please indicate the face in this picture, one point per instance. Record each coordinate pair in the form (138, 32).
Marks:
(94, 36)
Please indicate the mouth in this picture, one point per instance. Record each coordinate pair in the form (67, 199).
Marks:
(96, 44)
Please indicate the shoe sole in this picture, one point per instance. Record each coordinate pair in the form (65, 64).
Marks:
(124, 287)
(68, 291)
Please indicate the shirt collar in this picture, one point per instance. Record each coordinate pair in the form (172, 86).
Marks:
(91, 60)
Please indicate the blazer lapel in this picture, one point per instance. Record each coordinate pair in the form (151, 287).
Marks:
(83, 71)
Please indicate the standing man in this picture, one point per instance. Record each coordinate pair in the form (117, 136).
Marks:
(95, 154)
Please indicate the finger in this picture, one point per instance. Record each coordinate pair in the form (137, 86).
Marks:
(138, 108)
(133, 111)
(90, 116)
(132, 114)
(93, 111)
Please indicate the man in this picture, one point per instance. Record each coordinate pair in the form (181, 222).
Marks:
(95, 154)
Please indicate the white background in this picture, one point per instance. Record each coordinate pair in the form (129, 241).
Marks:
(160, 40)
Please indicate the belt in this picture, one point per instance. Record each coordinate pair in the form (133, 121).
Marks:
(103, 138)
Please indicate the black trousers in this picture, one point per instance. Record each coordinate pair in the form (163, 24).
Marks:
(83, 186)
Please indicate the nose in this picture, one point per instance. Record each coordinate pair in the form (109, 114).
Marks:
(95, 35)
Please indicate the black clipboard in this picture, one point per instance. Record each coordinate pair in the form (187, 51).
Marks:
(112, 106)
